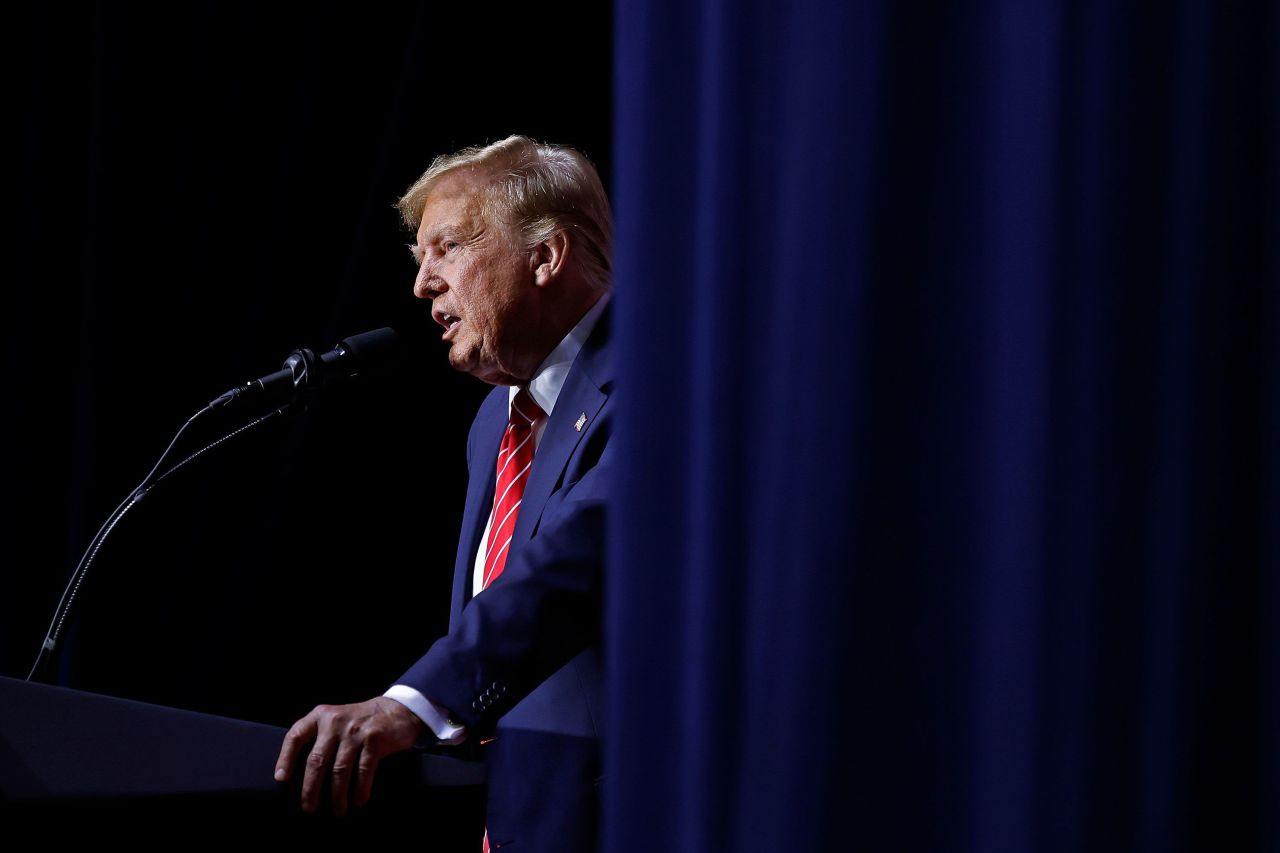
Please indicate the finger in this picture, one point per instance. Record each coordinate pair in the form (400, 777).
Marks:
(365, 769)
(344, 763)
(317, 768)
(298, 736)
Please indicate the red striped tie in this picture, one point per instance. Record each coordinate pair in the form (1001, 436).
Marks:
(514, 460)
(515, 457)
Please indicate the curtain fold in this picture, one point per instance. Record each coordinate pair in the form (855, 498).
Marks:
(950, 499)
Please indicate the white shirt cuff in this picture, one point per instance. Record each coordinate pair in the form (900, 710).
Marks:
(436, 718)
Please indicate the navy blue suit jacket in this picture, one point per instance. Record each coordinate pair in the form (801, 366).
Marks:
(521, 665)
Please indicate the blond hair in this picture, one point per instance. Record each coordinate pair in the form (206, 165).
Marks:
(536, 188)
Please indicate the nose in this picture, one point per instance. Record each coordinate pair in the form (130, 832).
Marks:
(428, 285)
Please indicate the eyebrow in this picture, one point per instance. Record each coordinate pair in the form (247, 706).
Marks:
(451, 230)
(432, 238)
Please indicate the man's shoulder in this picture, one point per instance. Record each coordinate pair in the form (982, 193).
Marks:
(490, 417)
(495, 401)
(595, 360)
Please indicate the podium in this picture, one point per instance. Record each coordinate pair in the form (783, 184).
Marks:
(70, 755)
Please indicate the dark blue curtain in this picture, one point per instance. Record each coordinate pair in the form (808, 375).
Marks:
(950, 513)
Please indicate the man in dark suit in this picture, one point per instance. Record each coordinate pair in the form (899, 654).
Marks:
(513, 250)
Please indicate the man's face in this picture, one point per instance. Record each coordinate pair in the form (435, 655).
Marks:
(479, 281)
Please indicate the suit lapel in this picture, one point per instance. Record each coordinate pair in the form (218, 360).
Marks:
(475, 514)
(584, 394)
(559, 440)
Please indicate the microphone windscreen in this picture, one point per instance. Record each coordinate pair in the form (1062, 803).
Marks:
(375, 349)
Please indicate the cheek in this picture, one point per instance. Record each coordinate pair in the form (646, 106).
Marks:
(485, 308)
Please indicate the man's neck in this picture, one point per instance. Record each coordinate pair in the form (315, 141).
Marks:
(560, 321)
(548, 379)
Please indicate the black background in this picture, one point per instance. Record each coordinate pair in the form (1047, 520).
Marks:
(200, 190)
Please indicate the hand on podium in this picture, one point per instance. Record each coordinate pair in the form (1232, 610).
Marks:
(346, 740)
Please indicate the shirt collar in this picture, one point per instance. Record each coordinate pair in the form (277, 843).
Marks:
(549, 378)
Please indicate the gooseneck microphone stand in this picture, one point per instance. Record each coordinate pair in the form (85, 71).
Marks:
(304, 373)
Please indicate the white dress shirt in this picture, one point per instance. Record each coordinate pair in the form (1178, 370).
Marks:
(545, 388)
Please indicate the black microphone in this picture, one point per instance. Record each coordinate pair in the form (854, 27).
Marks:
(305, 373)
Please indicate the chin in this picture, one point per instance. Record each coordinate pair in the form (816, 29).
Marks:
(474, 368)
(462, 359)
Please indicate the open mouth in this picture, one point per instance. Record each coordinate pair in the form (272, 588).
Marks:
(449, 321)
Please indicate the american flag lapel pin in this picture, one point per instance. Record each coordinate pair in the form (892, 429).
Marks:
(580, 422)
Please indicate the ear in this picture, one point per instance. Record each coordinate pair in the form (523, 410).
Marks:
(550, 258)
